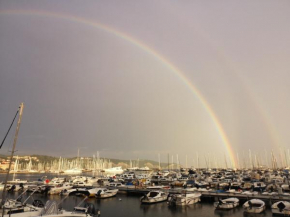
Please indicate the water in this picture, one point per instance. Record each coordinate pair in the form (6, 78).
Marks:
(130, 206)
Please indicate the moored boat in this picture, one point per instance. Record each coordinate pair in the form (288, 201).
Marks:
(254, 206)
(228, 203)
(105, 193)
(51, 209)
(73, 171)
(154, 197)
(59, 188)
(281, 208)
(184, 199)
(114, 170)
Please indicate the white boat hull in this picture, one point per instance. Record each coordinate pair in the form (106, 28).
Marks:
(284, 210)
(256, 206)
(229, 203)
(182, 200)
(254, 209)
(225, 206)
(154, 197)
(107, 194)
(153, 200)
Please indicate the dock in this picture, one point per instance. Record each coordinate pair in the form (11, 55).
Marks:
(210, 195)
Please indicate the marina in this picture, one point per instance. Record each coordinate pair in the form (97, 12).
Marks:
(132, 190)
(183, 187)
(144, 109)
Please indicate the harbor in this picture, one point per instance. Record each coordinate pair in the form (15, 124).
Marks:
(144, 109)
(257, 188)
(129, 187)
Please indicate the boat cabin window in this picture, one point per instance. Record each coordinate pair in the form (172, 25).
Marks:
(153, 194)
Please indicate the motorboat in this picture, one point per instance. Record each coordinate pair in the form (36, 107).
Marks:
(250, 193)
(16, 208)
(154, 197)
(56, 181)
(17, 181)
(73, 171)
(228, 203)
(204, 189)
(156, 187)
(184, 199)
(201, 184)
(59, 188)
(114, 170)
(281, 208)
(105, 193)
(247, 186)
(82, 184)
(19, 208)
(81, 191)
(259, 186)
(115, 185)
(51, 209)
(235, 185)
(270, 193)
(285, 187)
(190, 189)
(21, 187)
(254, 206)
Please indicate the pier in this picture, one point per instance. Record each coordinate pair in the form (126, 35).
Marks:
(211, 195)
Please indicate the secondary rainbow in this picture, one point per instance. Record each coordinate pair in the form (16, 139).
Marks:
(146, 49)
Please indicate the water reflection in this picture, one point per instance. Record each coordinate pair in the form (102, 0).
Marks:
(184, 209)
(222, 213)
(255, 214)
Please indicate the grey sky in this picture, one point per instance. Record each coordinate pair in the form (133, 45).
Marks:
(86, 87)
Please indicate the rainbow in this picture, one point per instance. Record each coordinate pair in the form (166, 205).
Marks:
(149, 51)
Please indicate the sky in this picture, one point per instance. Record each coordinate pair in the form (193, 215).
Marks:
(134, 79)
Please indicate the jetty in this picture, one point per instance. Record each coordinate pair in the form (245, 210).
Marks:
(211, 195)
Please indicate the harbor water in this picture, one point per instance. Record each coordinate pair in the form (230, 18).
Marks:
(130, 206)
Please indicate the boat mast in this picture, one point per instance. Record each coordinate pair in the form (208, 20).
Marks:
(12, 153)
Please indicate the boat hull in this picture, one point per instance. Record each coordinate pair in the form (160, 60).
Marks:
(281, 208)
(225, 206)
(153, 200)
(276, 211)
(181, 200)
(254, 209)
(106, 195)
(254, 206)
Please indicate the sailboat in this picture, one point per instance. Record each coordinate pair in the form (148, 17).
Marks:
(22, 209)
(9, 206)
(20, 111)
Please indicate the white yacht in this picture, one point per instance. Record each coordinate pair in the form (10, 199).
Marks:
(184, 199)
(281, 208)
(156, 187)
(20, 210)
(59, 188)
(154, 197)
(82, 191)
(228, 203)
(254, 206)
(17, 181)
(13, 207)
(73, 171)
(114, 170)
(51, 210)
(105, 193)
